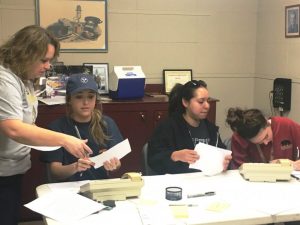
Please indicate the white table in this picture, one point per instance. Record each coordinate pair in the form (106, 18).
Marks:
(246, 202)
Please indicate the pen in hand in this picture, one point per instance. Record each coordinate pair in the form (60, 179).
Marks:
(77, 132)
(79, 136)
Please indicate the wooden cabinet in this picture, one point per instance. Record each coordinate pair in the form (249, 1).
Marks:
(136, 120)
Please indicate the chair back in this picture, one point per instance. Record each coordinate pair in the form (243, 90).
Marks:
(50, 178)
(147, 171)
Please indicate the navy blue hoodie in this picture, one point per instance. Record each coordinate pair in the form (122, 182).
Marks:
(172, 135)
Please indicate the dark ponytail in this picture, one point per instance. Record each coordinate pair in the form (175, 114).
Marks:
(185, 92)
(175, 99)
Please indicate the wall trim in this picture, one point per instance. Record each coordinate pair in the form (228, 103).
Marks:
(159, 12)
(17, 7)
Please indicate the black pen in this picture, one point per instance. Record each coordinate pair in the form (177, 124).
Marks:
(210, 193)
(294, 176)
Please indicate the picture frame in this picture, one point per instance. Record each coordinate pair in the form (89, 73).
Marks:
(100, 73)
(174, 76)
(292, 21)
(57, 77)
(79, 25)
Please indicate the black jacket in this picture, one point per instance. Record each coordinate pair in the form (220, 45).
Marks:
(172, 135)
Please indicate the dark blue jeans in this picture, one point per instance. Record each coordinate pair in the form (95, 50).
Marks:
(10, 199)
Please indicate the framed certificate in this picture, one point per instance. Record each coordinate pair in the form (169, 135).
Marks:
(172, 77)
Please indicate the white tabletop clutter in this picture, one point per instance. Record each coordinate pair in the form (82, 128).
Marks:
(235, 201)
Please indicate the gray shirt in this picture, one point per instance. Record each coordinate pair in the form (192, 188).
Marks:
(17, 102)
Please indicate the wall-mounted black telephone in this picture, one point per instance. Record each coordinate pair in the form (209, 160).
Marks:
(282, 94)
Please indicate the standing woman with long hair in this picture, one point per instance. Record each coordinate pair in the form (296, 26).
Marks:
(26, 56)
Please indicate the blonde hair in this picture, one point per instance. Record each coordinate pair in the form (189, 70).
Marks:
(97, 125)
(25, 48)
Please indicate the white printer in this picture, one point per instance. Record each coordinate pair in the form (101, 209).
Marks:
(126, 82)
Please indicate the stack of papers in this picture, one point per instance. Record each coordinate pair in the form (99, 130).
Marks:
(65, 206)
(211, 159)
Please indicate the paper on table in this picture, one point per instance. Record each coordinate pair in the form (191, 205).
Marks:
(260, 196)
(67, 186)
(57, 100)
(211, 159)
(296, 173)
(64, 206)
(118, 151)
(44, 148)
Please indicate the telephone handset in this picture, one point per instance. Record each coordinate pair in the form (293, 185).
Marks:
(282, 94)
(114, 189)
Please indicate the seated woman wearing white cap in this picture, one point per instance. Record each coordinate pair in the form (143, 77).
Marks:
(85, 121)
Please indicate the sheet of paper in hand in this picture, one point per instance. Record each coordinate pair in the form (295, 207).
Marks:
(211, 159)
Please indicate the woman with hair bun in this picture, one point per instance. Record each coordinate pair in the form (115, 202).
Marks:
(261, 140)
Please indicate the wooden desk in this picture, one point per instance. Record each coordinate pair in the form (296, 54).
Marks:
(247, 202)
(136, 120)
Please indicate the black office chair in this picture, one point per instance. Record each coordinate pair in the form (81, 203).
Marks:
(147, 171)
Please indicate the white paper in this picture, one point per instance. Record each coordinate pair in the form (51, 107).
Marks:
(118, 151)
(57, 100)
(125, 213)
(296, 173)
(44, 148)
(64, 206)
(263, 193)
(68, 186)
(211, 159)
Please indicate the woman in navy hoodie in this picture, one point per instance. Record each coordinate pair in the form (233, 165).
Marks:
(171, 147)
